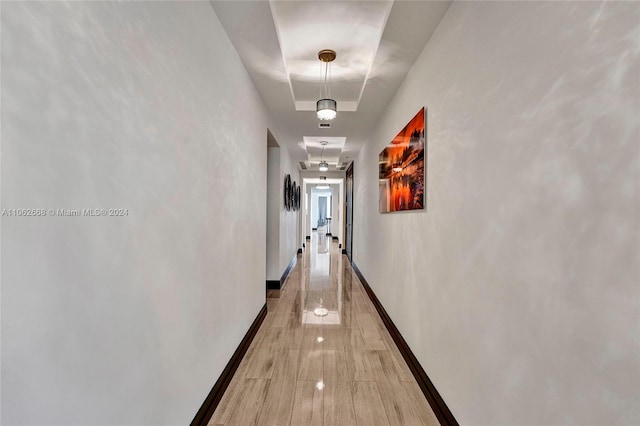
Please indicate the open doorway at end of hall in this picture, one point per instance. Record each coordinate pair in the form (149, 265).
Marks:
(323, 208)
(321, 216)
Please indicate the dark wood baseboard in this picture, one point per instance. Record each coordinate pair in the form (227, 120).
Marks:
(277, 285)
(210, 404)
(442, 412)
(285, 274)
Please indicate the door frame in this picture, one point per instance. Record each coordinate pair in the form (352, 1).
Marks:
(348, 195)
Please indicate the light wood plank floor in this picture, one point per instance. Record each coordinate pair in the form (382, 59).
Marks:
(323, 356)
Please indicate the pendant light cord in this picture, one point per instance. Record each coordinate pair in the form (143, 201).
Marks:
(326, 69)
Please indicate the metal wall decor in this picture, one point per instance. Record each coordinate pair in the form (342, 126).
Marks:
(287, 192)
(291, 194)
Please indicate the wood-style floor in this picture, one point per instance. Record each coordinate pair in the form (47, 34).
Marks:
(323, 356)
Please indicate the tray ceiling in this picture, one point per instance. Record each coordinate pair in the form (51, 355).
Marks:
(376, 43)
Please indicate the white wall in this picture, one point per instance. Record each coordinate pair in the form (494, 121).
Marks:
(146, 107)
(337, 225)
(282, 225)
(275, 202)
(517, 287)
(306, 209)
(288, 219)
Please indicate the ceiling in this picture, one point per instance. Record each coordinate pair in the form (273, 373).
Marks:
(376, 43)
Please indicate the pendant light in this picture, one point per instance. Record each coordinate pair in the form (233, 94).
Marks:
(326, 108)
(323, 166)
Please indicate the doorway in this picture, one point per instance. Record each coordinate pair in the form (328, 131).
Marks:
(348, 246)
(327, 218)
(272, 271)
(321, 209)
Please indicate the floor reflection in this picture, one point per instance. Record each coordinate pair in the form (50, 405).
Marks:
(322, 355)
(320, 289)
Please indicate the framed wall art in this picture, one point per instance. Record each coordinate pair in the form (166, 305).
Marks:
(401, 168)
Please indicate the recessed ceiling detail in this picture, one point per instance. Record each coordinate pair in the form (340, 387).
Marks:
(376, 43)
(332, 150)
(352, 29)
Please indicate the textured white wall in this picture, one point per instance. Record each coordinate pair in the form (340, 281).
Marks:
(143, 106)
(518, 286)
(337, 225)
(288, 219)
(275, 200)
(307, 225)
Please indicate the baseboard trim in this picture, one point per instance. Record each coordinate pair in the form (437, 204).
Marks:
(285, 274)
(210, 404)
(442, 412)
(273, 285)
(278, 285)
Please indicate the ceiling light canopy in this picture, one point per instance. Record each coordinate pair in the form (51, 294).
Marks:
(326, 108)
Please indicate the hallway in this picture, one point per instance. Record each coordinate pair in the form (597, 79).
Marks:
(323, 356)
(161, 163)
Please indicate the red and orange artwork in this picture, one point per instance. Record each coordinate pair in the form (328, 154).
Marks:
(401, 168)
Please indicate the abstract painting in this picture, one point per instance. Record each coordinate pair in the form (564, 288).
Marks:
(401, 169)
